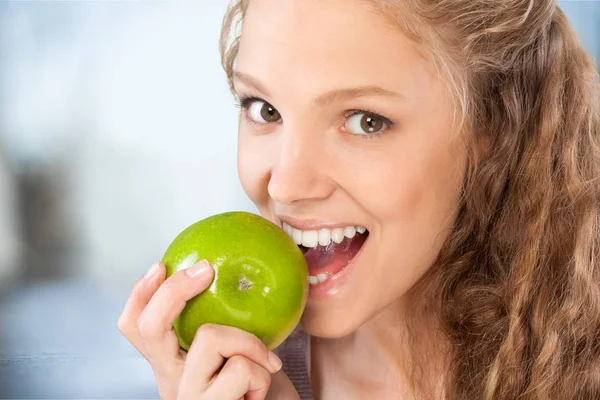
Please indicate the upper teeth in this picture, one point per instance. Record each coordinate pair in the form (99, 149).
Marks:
(321, 237)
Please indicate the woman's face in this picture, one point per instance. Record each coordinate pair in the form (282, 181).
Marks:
(344, 125)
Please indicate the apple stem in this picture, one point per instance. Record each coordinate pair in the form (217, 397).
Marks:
(244, 284)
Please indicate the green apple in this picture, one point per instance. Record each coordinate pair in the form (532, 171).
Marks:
(261, 277)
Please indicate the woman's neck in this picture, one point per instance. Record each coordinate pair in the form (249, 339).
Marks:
(381, 359)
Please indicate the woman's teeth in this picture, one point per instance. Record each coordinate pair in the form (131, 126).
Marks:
(322, 237)
(316, 279)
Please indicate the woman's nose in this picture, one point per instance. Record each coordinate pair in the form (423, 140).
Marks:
(300, 171)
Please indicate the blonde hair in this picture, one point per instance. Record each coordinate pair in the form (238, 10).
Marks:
(516, 286)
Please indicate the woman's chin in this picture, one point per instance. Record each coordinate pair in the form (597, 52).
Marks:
(327, 326)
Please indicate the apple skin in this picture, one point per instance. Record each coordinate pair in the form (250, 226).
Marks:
(261, 277)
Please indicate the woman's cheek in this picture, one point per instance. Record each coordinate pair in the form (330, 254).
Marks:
(253, 170)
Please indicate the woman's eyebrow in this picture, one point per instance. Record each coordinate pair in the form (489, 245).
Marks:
(352, 93)
(326, 98)
(250, 81)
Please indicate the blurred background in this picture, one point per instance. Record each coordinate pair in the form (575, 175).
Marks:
(117, 130)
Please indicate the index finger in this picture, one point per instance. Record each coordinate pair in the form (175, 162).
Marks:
(139, 297)
(156, 321)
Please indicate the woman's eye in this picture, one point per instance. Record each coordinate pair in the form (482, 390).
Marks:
(263, 113)
(363, 123)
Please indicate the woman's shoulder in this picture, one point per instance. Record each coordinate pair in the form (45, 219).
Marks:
(295, 355)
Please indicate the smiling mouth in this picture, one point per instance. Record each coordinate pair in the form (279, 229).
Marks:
(328, 251)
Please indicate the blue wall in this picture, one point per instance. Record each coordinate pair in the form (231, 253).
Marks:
(585, 17)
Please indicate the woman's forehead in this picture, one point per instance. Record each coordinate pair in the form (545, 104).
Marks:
(331, 44)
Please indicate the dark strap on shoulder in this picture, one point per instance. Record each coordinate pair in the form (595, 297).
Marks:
(295, 354)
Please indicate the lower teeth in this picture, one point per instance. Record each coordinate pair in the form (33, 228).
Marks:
(315, 280)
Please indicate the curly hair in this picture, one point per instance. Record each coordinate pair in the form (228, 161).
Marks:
(516, 286)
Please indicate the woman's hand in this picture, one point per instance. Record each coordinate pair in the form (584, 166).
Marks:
(147, 322)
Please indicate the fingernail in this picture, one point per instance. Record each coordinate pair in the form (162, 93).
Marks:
(198, 270)
(152, 271)
(275, 361)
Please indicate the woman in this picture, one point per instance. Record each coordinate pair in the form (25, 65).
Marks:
(455, 143)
